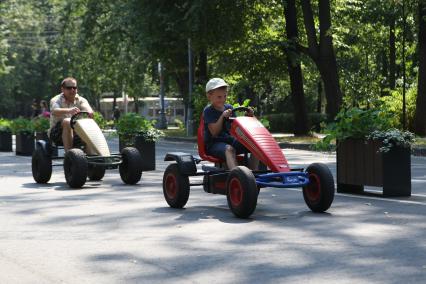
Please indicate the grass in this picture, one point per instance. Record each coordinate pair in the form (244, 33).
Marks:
(175, 132)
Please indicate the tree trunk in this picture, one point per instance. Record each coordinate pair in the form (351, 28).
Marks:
(295, 71)
(392, 53)
(323, 53)
(420, 115)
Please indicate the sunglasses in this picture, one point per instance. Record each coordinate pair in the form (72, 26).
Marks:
(70, 87)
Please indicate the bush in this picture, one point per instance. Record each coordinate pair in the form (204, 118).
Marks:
(22, 125)
(284, 122)
(5, 125)
(179, 123)
(99, 119)
(41, 124)
(366, 124)
(131, 125)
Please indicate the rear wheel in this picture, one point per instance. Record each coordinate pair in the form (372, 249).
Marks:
(95, 172)
(319, 193)
(131, 167)
(175, 187)
(242, 192)
(75, 168)
(41, 165)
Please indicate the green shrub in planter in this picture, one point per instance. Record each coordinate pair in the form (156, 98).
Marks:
(100, 120)
(24, 131)
(5, 125)
(132, 124)
(5, 135)
(22, 125)
(41, 124)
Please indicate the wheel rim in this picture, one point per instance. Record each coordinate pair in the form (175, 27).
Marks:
(171, 186)
(313, 191)
(235, 191)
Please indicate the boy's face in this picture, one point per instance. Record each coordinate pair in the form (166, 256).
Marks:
(217, 97)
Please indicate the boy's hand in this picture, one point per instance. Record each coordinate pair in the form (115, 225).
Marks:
(250, 112)
(227, 113)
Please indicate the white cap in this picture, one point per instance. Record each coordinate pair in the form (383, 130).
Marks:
(215, 83)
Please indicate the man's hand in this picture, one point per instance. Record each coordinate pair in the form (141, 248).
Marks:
(90, 114)
(250, 112)
(74, 110)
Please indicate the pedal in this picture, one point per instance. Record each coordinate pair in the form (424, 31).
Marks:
(211, 169)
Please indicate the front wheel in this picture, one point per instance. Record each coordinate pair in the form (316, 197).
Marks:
(242, 192)
(175, 187)
(131, 167)
(319, 193)
(41, 165)
(75, 168)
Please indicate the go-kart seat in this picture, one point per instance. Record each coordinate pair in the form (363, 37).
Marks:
(202, 146)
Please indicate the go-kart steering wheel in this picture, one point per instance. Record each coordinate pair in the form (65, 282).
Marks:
(77, 116)
(240, 108)
(228, 120)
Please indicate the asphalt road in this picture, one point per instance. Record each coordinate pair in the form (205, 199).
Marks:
(108, 232)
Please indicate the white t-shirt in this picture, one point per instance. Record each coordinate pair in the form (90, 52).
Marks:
(59, 101)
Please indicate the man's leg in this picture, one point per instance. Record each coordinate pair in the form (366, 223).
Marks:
(67, 134)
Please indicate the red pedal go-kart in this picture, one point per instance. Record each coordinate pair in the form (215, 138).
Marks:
(241, 185)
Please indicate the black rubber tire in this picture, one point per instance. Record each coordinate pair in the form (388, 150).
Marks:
(41, 165)
(75, 168)
(175, 187)
(131, 167)
(95, 172)
(319, 193)
(241, 192)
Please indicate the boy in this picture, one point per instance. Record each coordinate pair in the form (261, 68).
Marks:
(219, 143)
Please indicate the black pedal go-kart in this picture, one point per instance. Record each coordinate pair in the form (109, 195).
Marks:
(89, 158)
(241, 185)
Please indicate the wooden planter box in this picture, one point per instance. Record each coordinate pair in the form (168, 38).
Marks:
(24, 144)
(5, 141)
(359, 164)
(146, 149)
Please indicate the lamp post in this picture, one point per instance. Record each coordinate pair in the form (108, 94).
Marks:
(162, 122)
(189, 122)
(404, 108)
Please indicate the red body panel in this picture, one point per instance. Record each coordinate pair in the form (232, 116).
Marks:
(258, 140)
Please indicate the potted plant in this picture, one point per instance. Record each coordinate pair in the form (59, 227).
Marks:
(100, 120)
(5, 135)
(135, 130)
(24, 130)
(369, 152)
(41, 126)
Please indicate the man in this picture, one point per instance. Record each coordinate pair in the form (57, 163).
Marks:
(62, 107)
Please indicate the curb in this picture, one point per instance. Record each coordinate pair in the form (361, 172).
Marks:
(415, 151)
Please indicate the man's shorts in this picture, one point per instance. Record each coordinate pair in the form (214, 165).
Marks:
(218, 149)
(56, 136)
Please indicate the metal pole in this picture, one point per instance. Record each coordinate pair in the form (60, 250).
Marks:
(404, 108)
(162, 123)
(189, 123)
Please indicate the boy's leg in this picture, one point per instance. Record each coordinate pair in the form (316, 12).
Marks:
(67, 134)
(231, 159)
(224, 152)
(253, 162)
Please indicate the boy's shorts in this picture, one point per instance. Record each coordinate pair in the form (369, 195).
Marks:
(218, 149)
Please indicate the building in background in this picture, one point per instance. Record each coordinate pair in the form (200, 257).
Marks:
(149, 107)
